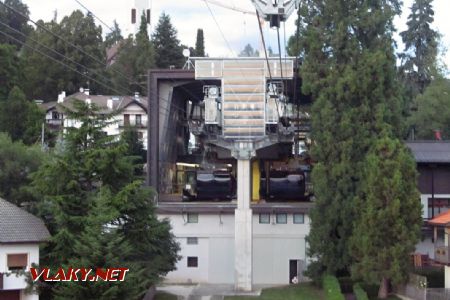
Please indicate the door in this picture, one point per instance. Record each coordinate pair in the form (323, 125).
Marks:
(293, 270)
(126, 120)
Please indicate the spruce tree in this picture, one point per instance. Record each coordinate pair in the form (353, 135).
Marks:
(349, 68)
(99, 214)
(388, 224)
(419, 58)
(114, 36)
(200, 44)
(168, 50)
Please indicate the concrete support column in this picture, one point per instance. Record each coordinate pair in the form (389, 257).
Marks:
(243, 237)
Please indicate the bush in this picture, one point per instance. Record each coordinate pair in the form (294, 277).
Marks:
(435, 276)
(346, 284)
(359, 293)
(332, 289)
(371, 290)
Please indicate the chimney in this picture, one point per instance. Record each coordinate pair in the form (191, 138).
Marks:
(86, 91)
(437, 135)
(136, 96)
(109, 103)
(61, 97)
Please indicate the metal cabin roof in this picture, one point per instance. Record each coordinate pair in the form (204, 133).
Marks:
(19, 226)
(430, 151)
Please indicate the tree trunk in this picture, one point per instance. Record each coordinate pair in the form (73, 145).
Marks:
(383, 291)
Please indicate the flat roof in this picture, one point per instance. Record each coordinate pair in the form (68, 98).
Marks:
(229, 207)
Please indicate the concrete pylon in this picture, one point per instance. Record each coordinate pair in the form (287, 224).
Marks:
(243, 229)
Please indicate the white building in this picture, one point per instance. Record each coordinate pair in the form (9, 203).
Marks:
(132, 112)
(20, 235)
(206, 234)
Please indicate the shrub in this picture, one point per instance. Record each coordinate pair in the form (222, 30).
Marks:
(332, 289)
(359, 293)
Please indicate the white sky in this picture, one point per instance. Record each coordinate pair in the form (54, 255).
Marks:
(189, 15)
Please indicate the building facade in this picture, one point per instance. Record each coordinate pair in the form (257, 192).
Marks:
(132, 112)
(20, 236)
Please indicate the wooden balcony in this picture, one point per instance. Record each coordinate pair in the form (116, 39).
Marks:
(123, 123)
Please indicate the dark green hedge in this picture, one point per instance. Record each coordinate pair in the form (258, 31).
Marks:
(359, 293)
(435, 276)
(332, 288)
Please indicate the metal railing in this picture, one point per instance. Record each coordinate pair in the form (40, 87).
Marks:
(123, 123)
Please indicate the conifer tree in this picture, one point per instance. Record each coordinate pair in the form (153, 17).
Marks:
(419, 58)
(200, 44)
(168, 50)
(99, 214)
(388, 225)
(349, 68)
(114, 36)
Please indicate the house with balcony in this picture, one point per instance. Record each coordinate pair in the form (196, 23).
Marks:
(433, 164)
(20, 236)
(132, 112)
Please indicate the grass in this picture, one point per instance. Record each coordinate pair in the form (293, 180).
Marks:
(164, 296)
(303, 291)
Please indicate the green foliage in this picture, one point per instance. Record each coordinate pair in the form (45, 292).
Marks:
(14, 20)
(21, 119)
(17, 162)
(114, 36)
(99, 214)
(44, 78)
(9, 70)
(168, 50)
(349, 69)
(433, 110)
(360, 294)
(388, 225)
(200, 44)
(419, 59)
(332, 289)
(291, 292)
(134, 59)
(248, 51)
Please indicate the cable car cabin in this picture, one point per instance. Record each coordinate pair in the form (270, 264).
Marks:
(210, 185)
(284, 186)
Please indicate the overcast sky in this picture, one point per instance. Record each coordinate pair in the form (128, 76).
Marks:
(188, 15)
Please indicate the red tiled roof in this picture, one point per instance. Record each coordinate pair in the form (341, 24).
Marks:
(441, 219)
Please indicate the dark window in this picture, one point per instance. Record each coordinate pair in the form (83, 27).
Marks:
(126, 120)
(140, 135)
(192, 218)
(192, 241)
(192, 261)
(264, 218)
(55, 115)
(299, 218)
(138, 119)
(281, 218)
(17, 261)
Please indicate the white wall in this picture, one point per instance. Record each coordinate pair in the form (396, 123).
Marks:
(18, 282)
(273, 246)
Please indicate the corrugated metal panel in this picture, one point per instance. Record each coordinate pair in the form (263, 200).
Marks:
(208, 69)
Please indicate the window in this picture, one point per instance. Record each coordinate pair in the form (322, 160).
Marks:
(192, 241)
(138, 119)
(192, 218)
(192, 261)
(126, 120)
(55, 115)
(440, 205)
(299, 218)
(17, 261)
(140, 136)
(281, 218)
(264, 218)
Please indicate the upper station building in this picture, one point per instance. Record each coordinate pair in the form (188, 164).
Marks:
(223, 155)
